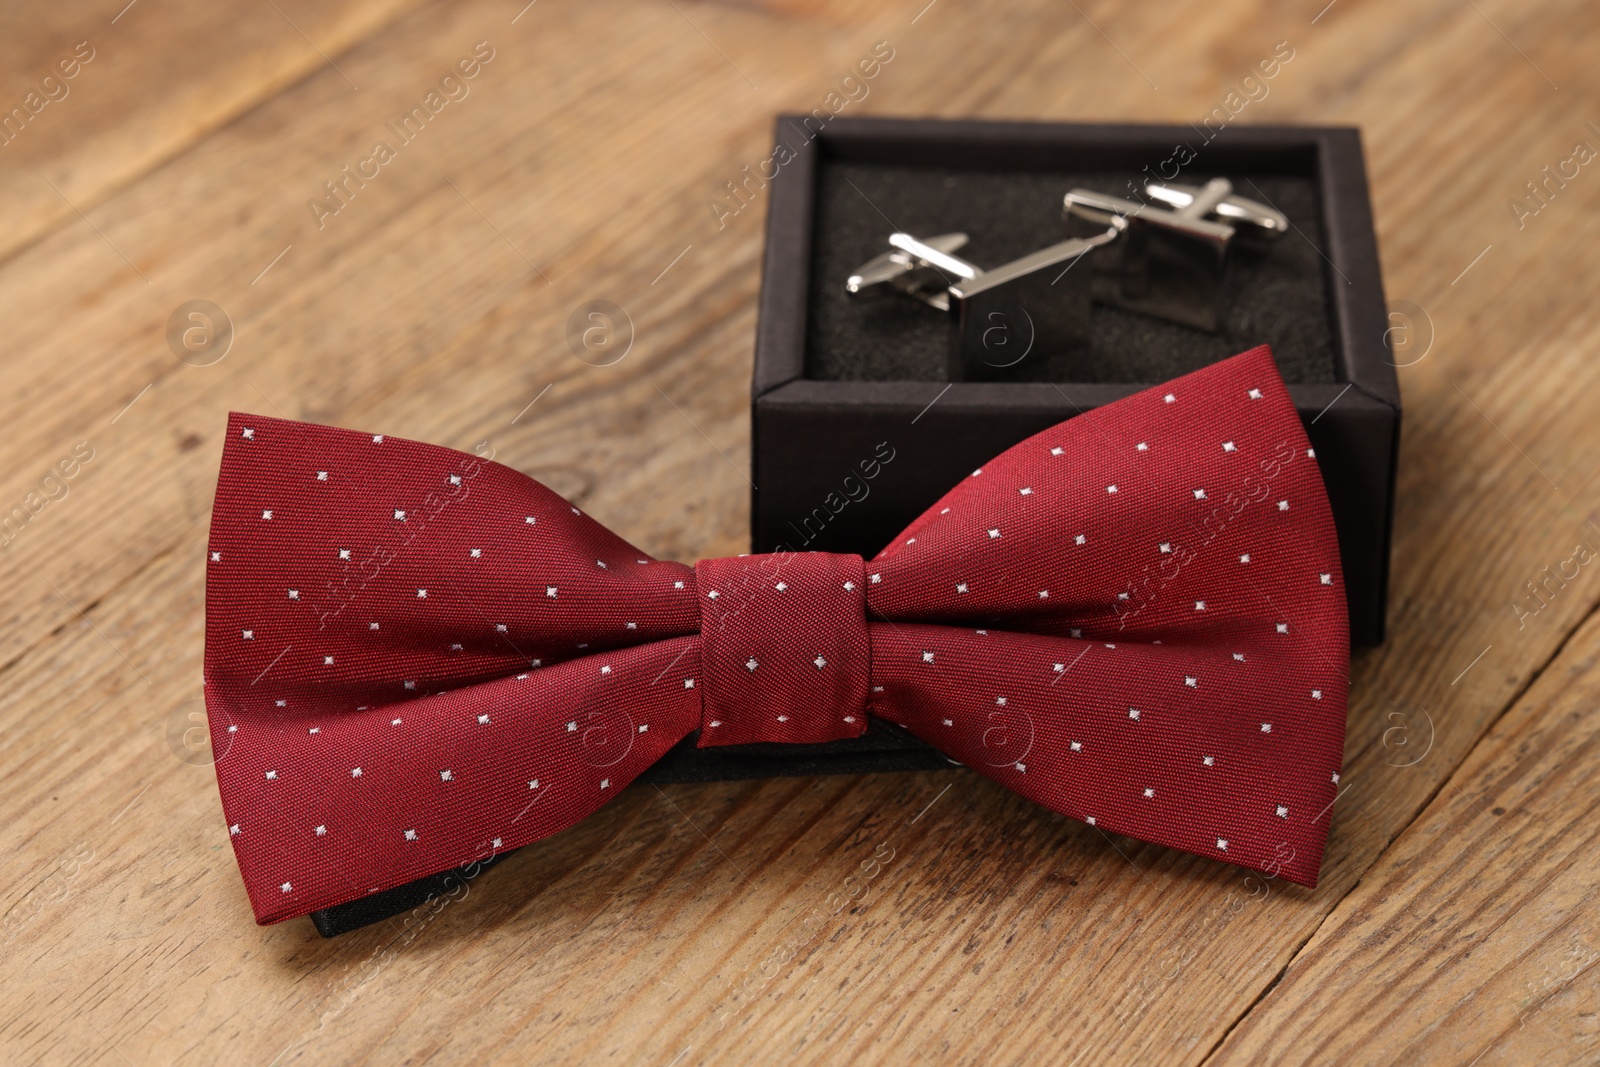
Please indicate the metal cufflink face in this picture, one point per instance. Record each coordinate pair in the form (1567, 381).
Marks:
(1172, 261)
(1035, 304)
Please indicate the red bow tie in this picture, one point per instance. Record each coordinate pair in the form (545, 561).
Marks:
(417, 659)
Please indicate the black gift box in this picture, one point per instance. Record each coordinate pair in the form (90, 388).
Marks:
(854, 428)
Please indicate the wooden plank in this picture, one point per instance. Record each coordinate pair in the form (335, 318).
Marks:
(1473, 939)
(106, 98)
(434, 306)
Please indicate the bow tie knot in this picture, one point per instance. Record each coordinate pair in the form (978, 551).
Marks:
(784, 649)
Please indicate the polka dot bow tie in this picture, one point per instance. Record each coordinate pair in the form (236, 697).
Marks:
(417, 659)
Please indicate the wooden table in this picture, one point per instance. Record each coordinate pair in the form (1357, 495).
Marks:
(1455, 921)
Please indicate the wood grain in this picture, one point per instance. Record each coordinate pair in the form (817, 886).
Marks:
(1473, 939)
(674, 923)
(156, 76)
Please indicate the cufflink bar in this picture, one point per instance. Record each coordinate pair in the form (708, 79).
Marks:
(1172, 264)
(923, 272)
(1256, 218)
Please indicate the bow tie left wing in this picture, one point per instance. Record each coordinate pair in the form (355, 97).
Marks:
(416, 658)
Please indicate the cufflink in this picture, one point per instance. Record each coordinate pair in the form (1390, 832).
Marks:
(1172, 260)
(1038, 303)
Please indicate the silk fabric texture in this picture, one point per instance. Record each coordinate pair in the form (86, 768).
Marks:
(417, 658)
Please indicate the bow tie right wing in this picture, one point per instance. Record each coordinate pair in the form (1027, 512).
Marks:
(1156, 636)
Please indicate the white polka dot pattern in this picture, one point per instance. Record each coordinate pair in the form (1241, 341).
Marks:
(422, 658)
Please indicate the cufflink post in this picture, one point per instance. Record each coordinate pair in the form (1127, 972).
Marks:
(1037, 303)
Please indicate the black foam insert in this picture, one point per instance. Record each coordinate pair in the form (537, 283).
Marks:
(1277, 290)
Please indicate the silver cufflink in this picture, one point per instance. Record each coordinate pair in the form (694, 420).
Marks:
(1038, 302)
(1172, 260)
(1168, 261)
